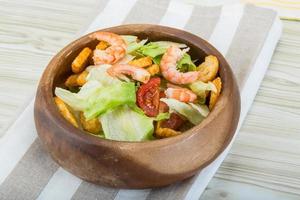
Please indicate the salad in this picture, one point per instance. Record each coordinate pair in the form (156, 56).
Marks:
(132, 89)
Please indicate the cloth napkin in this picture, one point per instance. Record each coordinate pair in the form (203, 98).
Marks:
(289, 10)
(286, 9)
(246, 35)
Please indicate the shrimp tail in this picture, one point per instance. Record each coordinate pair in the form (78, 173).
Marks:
(180, 94)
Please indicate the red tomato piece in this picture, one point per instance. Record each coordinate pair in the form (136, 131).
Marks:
(174, 122)
(148, 97)
(162, 94)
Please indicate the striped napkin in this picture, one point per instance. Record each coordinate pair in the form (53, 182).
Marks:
(246, 35)
(289, 10)
(286, 9)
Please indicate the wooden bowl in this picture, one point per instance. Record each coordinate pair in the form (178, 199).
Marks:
(135, 164)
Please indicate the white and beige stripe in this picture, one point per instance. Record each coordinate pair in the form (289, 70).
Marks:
(27, 169)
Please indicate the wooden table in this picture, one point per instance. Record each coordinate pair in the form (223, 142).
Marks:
(264, 162)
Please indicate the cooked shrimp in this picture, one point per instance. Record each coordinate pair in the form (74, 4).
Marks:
(181, 94)
(170, 85)
(168, 67)
(137, 73)
(113, 53)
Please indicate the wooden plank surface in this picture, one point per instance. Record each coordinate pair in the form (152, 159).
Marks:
(31, 32)
(264, 162)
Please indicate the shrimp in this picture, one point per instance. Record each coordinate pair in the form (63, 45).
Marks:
(181, 94)
(168, 67)
(137, 73)
(113, 53)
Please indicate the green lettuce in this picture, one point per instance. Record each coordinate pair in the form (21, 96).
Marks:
(157, 59)
(135, 45)
(94, 99)
(162, 116)
(202, 109)
(186, 64)
(167, 44)
(132, 44)
(156, 50)
(108, 98)
(99, 94)
(129, 38)
(125, 124)
(190, 112)
(200, 88)
(78, 101)
(152, 49)
(98, 73)
(116, 125)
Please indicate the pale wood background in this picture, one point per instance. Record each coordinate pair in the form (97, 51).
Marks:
(264, 162)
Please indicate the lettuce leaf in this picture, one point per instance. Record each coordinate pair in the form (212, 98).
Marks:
(156, 50)
(108, 98)
(129, 38)
(100, 94)
(162, 116)
(202, 109)
(125, 124)
(157, 59)
(98, 73)
(132, 44)
(186, 64)
(152, 49)
(200, 88)
(116, 125)
(94, 99)
(135, 45)
(167, 44)
(186, 110)
(78, 101)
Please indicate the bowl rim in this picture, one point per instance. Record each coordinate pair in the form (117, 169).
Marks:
(82, 136)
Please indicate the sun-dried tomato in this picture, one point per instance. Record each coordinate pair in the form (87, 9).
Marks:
(148, 97)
